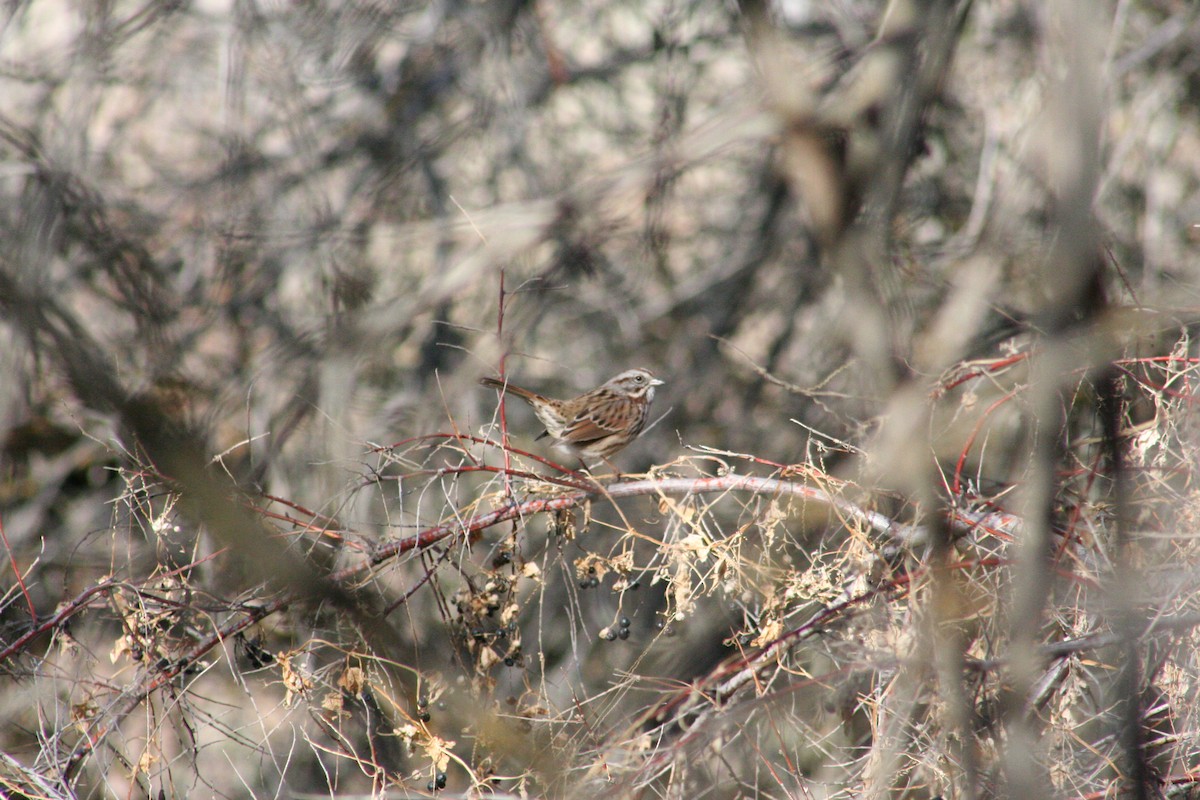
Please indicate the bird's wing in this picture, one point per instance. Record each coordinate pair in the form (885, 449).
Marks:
(603, 418)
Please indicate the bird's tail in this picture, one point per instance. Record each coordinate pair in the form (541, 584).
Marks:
(509, 388)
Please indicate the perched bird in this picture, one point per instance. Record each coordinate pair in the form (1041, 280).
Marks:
(598, 424)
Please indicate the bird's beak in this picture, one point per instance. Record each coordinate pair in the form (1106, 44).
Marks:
(656, 382)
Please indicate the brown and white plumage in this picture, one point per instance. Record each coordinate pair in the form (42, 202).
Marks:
(597, 424)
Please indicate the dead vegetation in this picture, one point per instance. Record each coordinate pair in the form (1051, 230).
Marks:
(916, 514)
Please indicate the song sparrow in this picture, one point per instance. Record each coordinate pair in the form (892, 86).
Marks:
(597, 424)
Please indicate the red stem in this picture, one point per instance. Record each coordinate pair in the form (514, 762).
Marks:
(12, 559)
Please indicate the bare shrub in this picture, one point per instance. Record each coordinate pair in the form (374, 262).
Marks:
(915, 515)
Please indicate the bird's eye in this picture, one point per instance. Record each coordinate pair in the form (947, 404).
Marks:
(639, 378)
